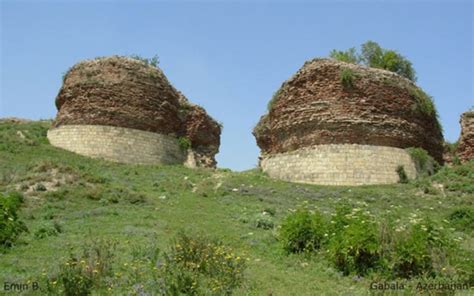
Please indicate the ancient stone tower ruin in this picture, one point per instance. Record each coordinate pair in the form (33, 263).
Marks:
(125, 110)
(337, 123)
(466, 142)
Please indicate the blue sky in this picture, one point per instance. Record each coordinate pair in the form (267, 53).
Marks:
(229, 57)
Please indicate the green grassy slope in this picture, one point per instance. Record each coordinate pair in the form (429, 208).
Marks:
(139, 205)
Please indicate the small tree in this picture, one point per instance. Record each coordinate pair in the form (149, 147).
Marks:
(372, 55)
(349, 56)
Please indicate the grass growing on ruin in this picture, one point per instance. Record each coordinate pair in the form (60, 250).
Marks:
(139, 209)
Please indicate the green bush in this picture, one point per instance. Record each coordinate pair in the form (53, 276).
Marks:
(424, 103)
(425, 164)
(184, 143)
(347, 78)
(80, 274)
(10, 225)
(198, 265)
(303, 231)
(402, 175)
(462, 218)
(48, 230)
(349, 56)
(274, 98)
(354, 246)
(457, 178)
(372, 55)
(417, 249)
(153, 61)
(264, 221)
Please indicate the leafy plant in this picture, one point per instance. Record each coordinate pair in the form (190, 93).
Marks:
(79, 275)
(402, 175)
(184, 143)
(424, 102)
(349, 56)
(462, 218)
(303, 231)
(457, 178)
(425, 164)
(10, 225)
(48, 230)
(198, 263)
(415, 249)
(372, 55)
(264, 222)
(347, 78)
(275, 97)
(354, 246)
(153, 61)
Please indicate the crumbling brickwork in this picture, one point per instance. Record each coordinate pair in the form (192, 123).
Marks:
(128, 93)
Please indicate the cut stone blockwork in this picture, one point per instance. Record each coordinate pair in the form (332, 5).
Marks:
(118, 144)
(347, 164)
(125, 110)
(466, 141)
(329, 103)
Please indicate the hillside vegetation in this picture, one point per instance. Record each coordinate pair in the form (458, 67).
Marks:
(81, 226)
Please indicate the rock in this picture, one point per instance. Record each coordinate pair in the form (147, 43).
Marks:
(20, 134)
(465, 149)
(381, 108)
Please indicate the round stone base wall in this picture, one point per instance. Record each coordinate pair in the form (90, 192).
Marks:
(118, 144)
(347, 164)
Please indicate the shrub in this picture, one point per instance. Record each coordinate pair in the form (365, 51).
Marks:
(354, 246)
(80, 274)
(10, 225)
(184, 143)
(349, 56)
(457, 178)
(48, 230)
(462, 218)
(274, 98)
(416, 249)
(303, 231)
(40, 187)
(347, 78)
(402, 175)
(372, 55)
(264, 222)
(199, 265)
(425, 164)
(425, 185)
(153, 61)
(424, 103)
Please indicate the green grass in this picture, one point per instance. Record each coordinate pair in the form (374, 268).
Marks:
(139, 205)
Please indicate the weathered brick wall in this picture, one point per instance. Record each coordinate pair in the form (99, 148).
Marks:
(381, 108)
(341, 164)
(466, 141)
(118, 144)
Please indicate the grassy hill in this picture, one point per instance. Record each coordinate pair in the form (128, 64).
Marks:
(74, 206)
